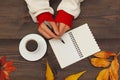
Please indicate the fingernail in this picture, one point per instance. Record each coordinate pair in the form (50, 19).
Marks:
(56, 33)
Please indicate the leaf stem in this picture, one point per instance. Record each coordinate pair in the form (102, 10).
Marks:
(118, 54)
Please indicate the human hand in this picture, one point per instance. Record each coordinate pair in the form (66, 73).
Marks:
(62, 28)
(46, 32)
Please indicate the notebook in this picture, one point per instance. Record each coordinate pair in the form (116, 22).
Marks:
(79, 44)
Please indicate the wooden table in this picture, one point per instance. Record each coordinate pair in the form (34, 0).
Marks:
(103, 17)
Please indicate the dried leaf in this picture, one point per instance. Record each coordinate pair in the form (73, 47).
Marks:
(6, 75)
(99, 62)
(103, 75)
(5, 68)
(104, 54)
(49, 73)
(9, 67)
(75, 76)
(114, 69)
(8, 64)
(2, 75)
(2, 60)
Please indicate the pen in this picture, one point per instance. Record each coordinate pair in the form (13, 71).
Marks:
(49, 26)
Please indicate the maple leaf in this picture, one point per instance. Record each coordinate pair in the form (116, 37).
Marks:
(6, 68)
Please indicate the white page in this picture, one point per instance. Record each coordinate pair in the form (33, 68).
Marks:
(79, 44)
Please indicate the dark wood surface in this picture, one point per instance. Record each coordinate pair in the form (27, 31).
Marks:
(103, 17)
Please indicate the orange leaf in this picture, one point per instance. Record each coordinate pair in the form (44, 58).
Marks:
(114, 69)
(103, 75)
(49, 73)
(8, 64)
(6, 75)
(10, 69)
(2, 77)
(104, 54)
(100, 62)
(75, 76)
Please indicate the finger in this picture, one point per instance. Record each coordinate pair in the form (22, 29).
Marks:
(44, 33)
(61, 28)
(66, 28)
(55, 27)
(47, 30)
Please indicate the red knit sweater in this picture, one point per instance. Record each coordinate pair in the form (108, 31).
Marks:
(61, 17)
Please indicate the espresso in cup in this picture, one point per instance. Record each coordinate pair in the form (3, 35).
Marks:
(31, 45)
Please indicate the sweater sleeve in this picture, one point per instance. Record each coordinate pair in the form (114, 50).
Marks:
(70, 6)
(37, 7)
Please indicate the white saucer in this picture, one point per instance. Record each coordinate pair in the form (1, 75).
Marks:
(38, 53)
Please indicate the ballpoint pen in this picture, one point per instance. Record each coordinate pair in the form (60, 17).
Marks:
(49, 26)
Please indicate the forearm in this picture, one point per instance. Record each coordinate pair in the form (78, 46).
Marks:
(70, 6)
(37, 7)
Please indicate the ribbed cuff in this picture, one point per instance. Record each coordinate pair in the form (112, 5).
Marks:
(45, 16)
(64, 17)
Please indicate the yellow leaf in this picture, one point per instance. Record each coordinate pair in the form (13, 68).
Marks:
(104, 54)
(103, 75)
(49, 73)
(75, 76)
(114, 69)
(99, 62)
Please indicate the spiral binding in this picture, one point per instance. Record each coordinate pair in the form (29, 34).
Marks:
(75, 44)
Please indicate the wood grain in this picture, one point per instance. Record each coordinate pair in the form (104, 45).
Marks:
(36, 70)
(103, 17)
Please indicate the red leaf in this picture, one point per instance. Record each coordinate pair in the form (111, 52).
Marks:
(6, 68)
(8, 64)
(6, 75)
(2, 60)
(10, 69)
(2, 77)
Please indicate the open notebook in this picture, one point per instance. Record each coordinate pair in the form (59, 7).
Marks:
(79, 44)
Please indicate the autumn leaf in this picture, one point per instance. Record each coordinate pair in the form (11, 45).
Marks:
(6, 68)
(103, 75)
(9, 66)
(104, 54)
(100, 62)
(49, 73)
(75, 76)
(6, 75)
(2, 75)
(114, 69)
(2, 60)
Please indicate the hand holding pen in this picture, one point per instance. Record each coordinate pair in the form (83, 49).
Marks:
(50, 27)
(51, 30)
(46, 32)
